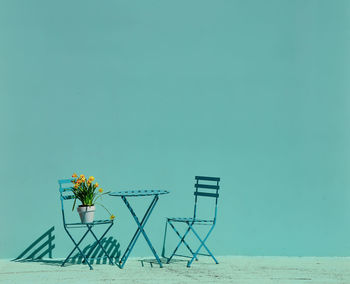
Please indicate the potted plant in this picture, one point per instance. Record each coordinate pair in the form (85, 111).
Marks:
(87, 192)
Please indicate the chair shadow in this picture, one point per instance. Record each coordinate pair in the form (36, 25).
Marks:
(96, 255)
(41, 251)
(41, 247)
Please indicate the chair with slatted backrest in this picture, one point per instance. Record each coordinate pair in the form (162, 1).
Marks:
(206, 187)
(65, 189)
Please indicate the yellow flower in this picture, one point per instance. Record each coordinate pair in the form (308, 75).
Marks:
(112, 217)
(78, 181)
(100, 190)
(91, 178)
(83, 179)
(74, 175)
(76, 186)
(96, 185)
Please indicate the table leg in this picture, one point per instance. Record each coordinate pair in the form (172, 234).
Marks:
(139, 230)
(137, 233)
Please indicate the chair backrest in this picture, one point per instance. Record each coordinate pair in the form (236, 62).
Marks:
(65, 188)
(206, 187)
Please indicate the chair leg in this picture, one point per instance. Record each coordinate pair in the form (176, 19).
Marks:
(99, 241)
(96, 243)
(164, 239)
(183, 240)
(201, 245)
(77, 247)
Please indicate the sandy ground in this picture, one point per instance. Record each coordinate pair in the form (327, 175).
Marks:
(232, 269)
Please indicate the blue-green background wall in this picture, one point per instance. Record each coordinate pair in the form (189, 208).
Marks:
(151, 93)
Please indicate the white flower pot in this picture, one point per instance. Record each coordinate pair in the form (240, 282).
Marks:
(86, 213)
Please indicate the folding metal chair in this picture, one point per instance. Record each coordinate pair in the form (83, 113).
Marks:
(64, 194)
(201, 190)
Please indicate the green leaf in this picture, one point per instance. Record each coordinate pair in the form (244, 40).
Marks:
(75, 199)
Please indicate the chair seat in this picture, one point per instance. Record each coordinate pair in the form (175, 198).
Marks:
(97, 222)
(190, 220)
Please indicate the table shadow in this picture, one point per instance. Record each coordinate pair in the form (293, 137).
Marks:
(153, 261)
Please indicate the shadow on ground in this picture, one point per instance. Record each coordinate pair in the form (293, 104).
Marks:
(153, 261)
(41, 251)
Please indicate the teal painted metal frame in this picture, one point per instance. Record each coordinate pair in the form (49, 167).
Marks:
(191, 222)
(88, 226)
(140, 225)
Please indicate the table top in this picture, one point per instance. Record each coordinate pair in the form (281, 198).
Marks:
(135, 193)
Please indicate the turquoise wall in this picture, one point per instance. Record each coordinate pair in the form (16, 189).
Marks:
(148, 94)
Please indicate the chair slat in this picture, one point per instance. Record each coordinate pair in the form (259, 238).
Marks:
(66, 188)
(207, 178)
(206, 194)
(63, 181)
(198, 185)
(66, 197)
